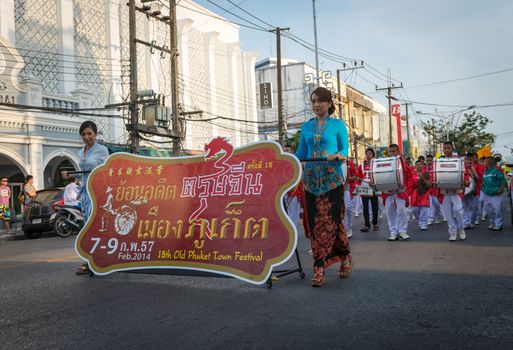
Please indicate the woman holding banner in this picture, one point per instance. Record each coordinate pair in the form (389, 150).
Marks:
(324, 143)
(92, 155)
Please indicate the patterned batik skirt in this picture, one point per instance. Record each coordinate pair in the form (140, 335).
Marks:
(325, 215)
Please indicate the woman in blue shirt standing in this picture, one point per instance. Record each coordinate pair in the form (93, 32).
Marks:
(91, 155)
(324, 137)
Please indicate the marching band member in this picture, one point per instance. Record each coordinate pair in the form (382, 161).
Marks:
(396, 205)
(419, 194)
(494, 184)
(349, 188)
(435, 214)
(452, 201)
(471, 200)
(480, 168)
(364, 176)
(324, 137)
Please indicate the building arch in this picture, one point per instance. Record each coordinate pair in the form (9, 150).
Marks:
(55, 162)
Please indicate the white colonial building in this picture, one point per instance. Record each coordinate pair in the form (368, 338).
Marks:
(74, 54)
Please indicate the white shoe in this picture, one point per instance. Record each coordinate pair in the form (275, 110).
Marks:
(452, 237)
(438, 222)
(490, 227)
(472, 226)
(483, 217)
(392, 238)
(430, 223)
(404, 236)
(349, 233)
(462, 234)
(423, 228)
(444, 220)
(356, 214)
(477, 222)
(465, 227)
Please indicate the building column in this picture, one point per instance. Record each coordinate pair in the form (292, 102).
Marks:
(66, 46)
(183, 28)
(7, 21)
(234, 53)
(116, 125)
(36, 162)
(250, 60)
(210, 67)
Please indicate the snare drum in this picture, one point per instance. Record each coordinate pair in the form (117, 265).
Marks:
(448, 174)
(387, 174)
(365, 190)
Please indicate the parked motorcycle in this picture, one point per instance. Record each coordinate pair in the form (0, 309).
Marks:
(67, 220)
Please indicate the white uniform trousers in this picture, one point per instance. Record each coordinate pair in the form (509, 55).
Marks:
(397, 214)
(421, 213)
(493, 207)
(452, 208)
(348, 217)
(435, 209)
(294, 209)
(470, 207)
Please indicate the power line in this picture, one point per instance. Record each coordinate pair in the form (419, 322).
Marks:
(233, 14)
(461, 79)
(255, 17)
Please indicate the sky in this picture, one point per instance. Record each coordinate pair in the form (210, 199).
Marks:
(420, 41)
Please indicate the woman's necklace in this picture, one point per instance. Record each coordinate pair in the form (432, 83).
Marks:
(318, 132)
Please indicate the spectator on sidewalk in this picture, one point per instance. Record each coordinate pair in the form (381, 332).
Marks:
(494, 184)
(5, 211)
(29, 191)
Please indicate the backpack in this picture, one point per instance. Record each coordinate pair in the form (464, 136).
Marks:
(21, 197)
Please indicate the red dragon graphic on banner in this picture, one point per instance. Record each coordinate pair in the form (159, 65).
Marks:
(220, 212)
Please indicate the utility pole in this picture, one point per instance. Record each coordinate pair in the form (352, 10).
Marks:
(317, 77)
(174, 78)
(351, 124)
(282, 127)
(408, 128)
(389, 88)
(134, 132)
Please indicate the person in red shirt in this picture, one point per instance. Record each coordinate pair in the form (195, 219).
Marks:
(480, 168)
(364, 176)
(420, 200)
(471, 200)
(396, 204)
(435, 214)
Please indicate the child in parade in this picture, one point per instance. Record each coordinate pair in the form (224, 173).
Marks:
(435, 214)
(349, 188)
(471, 200)
(419, 194)
(396, 205)
(452, 201)
(5, 211)
(364, 177)
(494, 184)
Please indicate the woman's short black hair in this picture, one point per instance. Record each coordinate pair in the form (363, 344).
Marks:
(28, 178)
(371, 150)
(88, 124)
(324, 95)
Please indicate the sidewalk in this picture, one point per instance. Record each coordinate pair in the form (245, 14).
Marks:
(18, 234)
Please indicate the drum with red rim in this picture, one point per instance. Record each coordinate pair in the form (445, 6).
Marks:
(387, 174)
(448, 174)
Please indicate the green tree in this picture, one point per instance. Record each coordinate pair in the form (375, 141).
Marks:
(469, 136)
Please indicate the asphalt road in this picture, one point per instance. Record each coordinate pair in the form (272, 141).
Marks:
(426, 293)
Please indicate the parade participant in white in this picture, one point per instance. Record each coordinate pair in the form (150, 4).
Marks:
(452, 205)
(435, 214)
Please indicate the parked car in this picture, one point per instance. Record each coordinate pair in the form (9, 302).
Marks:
(36, 214)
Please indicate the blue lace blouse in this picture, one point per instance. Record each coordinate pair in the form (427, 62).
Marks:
(317, 142)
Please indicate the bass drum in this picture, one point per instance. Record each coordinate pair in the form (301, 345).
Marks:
(387, 174)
